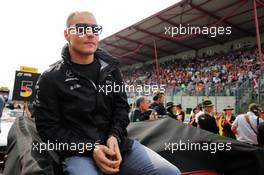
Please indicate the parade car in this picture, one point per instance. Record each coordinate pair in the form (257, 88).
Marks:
(7, 120)
(175, 141)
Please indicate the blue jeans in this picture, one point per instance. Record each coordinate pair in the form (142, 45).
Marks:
(138, 161)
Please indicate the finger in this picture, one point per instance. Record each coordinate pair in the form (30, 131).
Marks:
(108, 170)
(111, 147)
(111, 155)
(104, 160)
(118, 154)
(116, 165)
(108, 151)
(117, 160)
(118, 157)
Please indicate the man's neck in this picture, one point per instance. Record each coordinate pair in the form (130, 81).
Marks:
(157, 102)
(80, 58)
(142, 109)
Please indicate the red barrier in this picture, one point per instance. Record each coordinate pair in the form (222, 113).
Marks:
(201, 172)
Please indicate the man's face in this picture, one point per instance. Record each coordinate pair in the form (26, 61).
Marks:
(174, 109)
(145, 104)
(209, 109)
(85, 44)
(162, 99)
(261, 115)
(178, 108)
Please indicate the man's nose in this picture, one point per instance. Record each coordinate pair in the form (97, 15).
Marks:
(90, 35)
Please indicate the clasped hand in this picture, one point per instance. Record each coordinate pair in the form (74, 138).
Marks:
(108, 158)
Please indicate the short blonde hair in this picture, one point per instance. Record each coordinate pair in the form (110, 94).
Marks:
(73, 14)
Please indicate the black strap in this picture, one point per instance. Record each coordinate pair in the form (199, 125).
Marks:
(248, 121)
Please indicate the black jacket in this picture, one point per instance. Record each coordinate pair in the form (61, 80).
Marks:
(208, 123)
(160, 109)
(69, 108)
(136, 115)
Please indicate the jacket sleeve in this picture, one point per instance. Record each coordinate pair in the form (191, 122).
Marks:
(49, 119)
(216, 129)
(120, 118)
(136, 116)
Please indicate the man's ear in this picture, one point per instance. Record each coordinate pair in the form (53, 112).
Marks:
(67, 35)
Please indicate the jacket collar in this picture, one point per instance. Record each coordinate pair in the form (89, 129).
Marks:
(105, 59)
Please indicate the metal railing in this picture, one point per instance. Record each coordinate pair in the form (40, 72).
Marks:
(243, 92)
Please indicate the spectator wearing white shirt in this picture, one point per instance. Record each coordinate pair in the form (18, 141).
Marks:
(245, 126)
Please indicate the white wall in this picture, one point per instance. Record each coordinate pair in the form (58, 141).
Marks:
(220, 102)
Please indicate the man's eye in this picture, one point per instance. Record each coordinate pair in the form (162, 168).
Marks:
(96, 28)
(89, 30)
(80, 30)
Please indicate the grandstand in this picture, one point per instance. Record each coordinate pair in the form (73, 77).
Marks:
(225, 68)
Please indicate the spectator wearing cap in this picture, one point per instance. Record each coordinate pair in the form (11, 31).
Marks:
(245, 126)
(158, 104)
(142, 111)
(180, 115)
(208, 107)
(227, 121)
(206, 121)
(171, 108)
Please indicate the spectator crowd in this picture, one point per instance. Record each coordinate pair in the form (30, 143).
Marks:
(218, 74)
(247, 128)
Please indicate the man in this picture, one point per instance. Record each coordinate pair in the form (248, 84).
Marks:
(72, 107)
(245, 126)
(175, 111)
(171, 109)
(206, 121)
(142, 111)
(158, 104)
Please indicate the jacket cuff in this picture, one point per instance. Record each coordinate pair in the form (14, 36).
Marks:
(115, 132)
